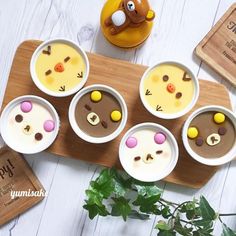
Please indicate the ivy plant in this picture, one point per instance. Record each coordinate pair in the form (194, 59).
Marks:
(114, 193)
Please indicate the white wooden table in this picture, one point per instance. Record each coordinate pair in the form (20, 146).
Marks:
(179, 26)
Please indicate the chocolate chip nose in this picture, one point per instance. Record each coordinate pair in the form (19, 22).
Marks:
(213, 139)
(27, 128)
(93, 118)
(149, 157)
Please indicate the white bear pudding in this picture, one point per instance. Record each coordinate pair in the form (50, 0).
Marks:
(30, 125)
(147, 153)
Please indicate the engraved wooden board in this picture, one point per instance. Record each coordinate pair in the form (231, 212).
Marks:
(218, 48)
(15, 175)
(124, 77)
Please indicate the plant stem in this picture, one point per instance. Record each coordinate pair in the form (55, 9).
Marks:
(168, 202)
(230, 214)
(180, 206)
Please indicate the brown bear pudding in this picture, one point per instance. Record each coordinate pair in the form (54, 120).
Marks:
(98, 113)
(211, 134)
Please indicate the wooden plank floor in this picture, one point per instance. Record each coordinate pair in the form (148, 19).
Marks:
(179, 26)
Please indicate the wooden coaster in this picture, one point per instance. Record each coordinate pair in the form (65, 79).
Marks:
(16, 175)
(218, 48)
(124, 77)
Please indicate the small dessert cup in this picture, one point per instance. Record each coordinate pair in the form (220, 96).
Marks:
(209, 135)
(29, 124)
(169, 90)
(98, 113)
(59, 67)
(148, 152)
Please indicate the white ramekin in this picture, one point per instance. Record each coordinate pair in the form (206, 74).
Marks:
(174, 115)
(170, 137)
(35, 77)
(84, 135)
(3, 124)
(209, 161)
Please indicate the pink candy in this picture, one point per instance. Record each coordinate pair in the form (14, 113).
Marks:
(26, 106)
(49, 125)
(159, 138)
(131, 142)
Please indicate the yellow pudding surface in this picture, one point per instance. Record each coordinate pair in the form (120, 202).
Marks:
(168, 89)
(60, 70)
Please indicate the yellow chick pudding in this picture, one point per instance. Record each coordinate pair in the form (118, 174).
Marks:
(59, 67)
(168, 89)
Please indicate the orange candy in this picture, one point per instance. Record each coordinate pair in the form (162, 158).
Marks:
(170, 88)
(59, 67)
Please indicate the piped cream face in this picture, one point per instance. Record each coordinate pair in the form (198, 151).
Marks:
(168, 89)
(146, 153)
(60, 67)
(29, 125)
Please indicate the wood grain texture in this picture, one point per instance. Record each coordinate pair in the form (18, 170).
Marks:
(119, 75)
(21, 179)
(218, 48)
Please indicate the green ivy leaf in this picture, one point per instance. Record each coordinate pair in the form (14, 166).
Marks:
(179, 228)
(95, 210)
(207, 212)
(203, 232)
(183, 209)
(94, 197)
(190, 214)
(121, 207)
(162, 225)
(120, 184)
(165, 212)
(137, 215)
(204, 223)
(183, 230)
(147, 204)
(227, 231)
(164, 229)
(166, 233)
(104, 183)
(147, 189)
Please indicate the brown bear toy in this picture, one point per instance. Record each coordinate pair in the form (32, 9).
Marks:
(129, 14)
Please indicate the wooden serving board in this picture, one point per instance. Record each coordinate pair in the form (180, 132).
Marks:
(16, 175)
(124, 77)
(218, 48)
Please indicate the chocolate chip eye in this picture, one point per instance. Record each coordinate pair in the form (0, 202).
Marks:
(199, 141)
(178, 95)
(87, 107)
(138, 158)
(38, 136)
(222, 131)
(66, 59)
(158, 152)
(18, 118)
(48, 72)
(165, 78)
(104, 124)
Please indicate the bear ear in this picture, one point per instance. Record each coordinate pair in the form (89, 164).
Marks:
(150, 15)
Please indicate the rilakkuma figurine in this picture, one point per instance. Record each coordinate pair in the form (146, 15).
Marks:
(129, 14)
